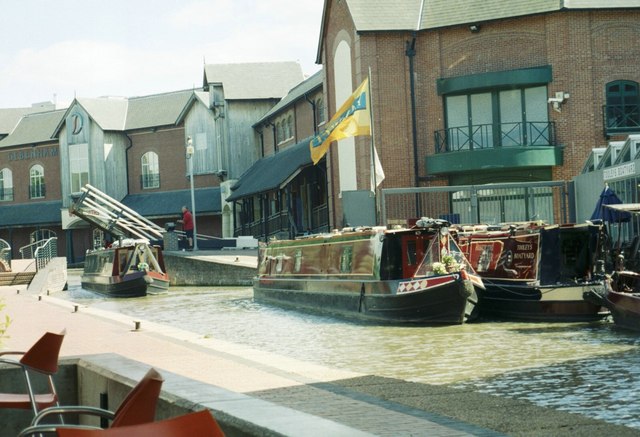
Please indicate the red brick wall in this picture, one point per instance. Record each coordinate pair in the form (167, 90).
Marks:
(169, 145)
(586, 49)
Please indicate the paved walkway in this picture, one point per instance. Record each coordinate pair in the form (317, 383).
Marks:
(230, 366)
(365, 403)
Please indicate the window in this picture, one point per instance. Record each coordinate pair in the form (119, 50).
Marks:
(78, 166)
(622, 108)
(513, 117)
(36, 182)
(290, 129)
(41, 234)
(6, 185)
(150, 177)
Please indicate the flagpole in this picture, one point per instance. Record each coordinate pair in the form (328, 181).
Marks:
(373, 148)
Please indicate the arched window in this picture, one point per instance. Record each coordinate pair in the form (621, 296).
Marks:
(622, 110)
(6, 184)
(41, 234)
(150, 176)
(290, 128)
(279, 133)
(36, 182)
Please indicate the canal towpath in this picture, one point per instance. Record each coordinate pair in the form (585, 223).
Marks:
(360, 403)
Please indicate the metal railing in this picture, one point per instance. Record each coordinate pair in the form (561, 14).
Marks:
(42, 251)
(281, 223)
(488, 136)
(474, 204)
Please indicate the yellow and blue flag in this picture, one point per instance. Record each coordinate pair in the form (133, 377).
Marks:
(351, 120)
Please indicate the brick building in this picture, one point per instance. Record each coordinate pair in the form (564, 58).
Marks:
(472, 92)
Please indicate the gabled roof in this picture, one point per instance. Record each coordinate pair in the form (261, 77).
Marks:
(122, 114)
(159, 109)
(416, 15)
(34, 129)
(311, 84)
(272, 171)
(108, 112)
(10, 117)
(249, 81)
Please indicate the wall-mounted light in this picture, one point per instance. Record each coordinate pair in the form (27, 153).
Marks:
(474, 28)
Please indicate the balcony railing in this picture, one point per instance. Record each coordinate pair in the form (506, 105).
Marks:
(621, 118)
(486, 136)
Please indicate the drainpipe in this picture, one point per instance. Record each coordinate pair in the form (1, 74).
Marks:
(126, 159)
(315, 115)
(410, 52)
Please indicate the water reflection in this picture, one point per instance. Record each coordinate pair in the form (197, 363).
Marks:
(579, 367)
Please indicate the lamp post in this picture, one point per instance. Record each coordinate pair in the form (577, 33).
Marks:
(193, 201)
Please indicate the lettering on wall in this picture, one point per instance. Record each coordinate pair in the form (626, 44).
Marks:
(45, 152)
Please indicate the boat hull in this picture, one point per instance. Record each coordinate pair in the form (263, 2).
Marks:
(625, 309)
(560, 303)
(452, 302)
(132, 285)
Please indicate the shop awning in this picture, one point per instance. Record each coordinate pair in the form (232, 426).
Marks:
(273, 171)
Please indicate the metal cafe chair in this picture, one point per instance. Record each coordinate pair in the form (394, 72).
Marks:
(139, 406)
(200, 424)
(41, 358)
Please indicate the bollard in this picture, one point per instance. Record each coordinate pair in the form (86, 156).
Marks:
(39, 297)
(75, 308)
(18, 291)
(47, 292)
(137, 325)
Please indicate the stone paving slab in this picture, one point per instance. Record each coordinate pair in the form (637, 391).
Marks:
(232, 367)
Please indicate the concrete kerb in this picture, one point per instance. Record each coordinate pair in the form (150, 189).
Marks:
(237, 413)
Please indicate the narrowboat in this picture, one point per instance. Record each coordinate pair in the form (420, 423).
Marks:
(537, 272)
(129, 268)
(623, 299)
(411, 274)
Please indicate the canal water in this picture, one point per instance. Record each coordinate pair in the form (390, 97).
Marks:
(587, 368)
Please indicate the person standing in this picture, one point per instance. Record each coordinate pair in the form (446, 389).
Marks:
(187, 225)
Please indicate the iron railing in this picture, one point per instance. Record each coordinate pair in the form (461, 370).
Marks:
(280, 223)
(42, 251)
(486, 136)
(472, 204)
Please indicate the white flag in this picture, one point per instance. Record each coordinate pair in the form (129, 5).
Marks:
(378, 171)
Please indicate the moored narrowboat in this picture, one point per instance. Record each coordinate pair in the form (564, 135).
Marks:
(537, 272)
(414, 274)
(132, 268)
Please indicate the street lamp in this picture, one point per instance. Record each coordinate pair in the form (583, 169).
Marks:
(189, 155)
